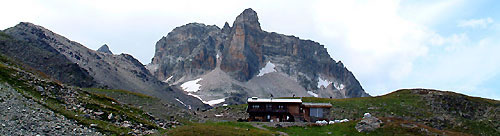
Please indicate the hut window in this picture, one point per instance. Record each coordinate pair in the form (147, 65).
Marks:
(255, 106)
(269, 106)
(316, 112)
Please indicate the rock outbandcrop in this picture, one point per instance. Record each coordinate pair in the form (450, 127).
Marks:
(243, 60)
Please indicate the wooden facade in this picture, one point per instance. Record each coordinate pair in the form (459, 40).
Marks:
(316, 111)
(285, 110)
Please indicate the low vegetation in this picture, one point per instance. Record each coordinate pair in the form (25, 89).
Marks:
(75, 103)
(404, 112)
(219, 129)
(154, 106)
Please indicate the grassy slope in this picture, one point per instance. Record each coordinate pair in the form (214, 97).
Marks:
(219, 129)
(155, 106)
(404, 112)
(394, 127)
(11, 74)
(229, 113)
(405, 104)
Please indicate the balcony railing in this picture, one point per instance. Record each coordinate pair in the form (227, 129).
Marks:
(267, 110)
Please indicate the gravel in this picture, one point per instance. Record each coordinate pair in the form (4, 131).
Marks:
(22, 116)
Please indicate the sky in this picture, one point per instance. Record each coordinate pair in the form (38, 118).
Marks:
(451, 45)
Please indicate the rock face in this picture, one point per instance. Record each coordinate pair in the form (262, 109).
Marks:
(194, 45)
(243, 60)
(112, 71)
(46, 59)
(104, 49)
(368, 123)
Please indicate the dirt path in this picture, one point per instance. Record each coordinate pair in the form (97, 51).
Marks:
(259, 126)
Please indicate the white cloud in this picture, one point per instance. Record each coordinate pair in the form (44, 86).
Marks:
(476, 23)
(464, 69)
(387, 49)
(371, 38)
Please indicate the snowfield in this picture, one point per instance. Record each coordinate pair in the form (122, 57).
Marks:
(312, 93)
(269, 68)
(214, 102)
(191, 86)
(211, 102)
(323, 82)
(338, 86)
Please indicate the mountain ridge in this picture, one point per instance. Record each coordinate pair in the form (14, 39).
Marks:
(121, 71)
(238, 53)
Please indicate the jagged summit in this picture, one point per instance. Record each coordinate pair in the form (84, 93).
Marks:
(229, 64)
(226, 29)
(104, 49)
(248, 18)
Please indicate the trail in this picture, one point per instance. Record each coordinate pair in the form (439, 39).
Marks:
(259, 126)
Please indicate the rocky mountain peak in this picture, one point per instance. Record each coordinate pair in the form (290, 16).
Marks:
(104, 49)
(226, 29)
(242, 60)
(35, 29)
(25, 24)
(248, 18)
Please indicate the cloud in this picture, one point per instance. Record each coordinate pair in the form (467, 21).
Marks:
(387, 49)
(476, 23)
(465, 68)
(373, 39)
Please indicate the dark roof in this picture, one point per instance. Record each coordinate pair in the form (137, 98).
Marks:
(317, 105)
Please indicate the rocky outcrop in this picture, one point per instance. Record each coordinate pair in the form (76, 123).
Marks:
(104, 49)
(368, 123)
(111, 71)
(188, 50)
(243, 60)
(42, 57)
(242, 55)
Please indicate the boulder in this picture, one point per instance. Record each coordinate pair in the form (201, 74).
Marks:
(368, 123)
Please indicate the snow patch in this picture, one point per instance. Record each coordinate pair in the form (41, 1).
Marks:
(339, 86)
(214, 102)
(323, 82)
(168, 79)
(269, 68)
(312, 93)
(196, 96)
(191, 86)
(180, 102)
(211, 102)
